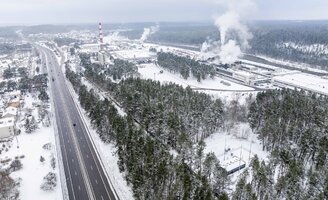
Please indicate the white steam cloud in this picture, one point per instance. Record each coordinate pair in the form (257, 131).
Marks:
(148, 32)
(230, 22)
(230, 52)
(114, 36)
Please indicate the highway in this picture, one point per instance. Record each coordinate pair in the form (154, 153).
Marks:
(85, 177)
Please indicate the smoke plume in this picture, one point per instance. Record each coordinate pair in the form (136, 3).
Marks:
(230, 52)
(114, 36)
(231, 22)
(148, 32)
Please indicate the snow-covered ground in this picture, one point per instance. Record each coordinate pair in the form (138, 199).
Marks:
(134, 54)
(241, 142)
(294, 64)
(305, 81)
(31, 147)
(152, 71)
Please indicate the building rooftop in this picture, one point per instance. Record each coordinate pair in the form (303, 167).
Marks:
(232, 162)
(5, 122)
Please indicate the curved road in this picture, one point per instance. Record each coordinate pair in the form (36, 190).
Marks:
(85, 177)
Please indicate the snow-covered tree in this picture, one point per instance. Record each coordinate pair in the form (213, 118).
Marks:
(30, 124)
(49, 182)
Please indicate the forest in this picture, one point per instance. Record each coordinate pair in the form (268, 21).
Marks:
(164, 110)
(38, 82)
(149, 167)
(185, 66)
(170, 110)
(292, 125)
(270, 38)
(118, 70)
(299, 42)
(121, 69)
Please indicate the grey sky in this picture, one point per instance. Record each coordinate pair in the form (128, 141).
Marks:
(72, 11)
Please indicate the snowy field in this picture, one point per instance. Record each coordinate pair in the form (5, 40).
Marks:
(240, 143)
(305, 81)
(294, 64)
(151, 71)
(31, 147)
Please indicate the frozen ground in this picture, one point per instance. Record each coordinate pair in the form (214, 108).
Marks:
(133, 54)
(33, 171)
(241, 142)
(152, 71)
(305, 81)
(294, 64)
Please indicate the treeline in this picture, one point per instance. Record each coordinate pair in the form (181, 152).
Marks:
(185, 66)
(37, 82)
(6, 48)
(271, 40)
(293, 126)
(170, 110)
(149, 168)
(65, 41)
(165, 110)
(120, 69)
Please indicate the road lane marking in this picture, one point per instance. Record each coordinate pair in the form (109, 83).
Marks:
(81, 161)
(61, 139)
(96, 181)
(73, 134)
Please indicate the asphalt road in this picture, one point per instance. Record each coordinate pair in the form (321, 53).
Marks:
(85, 176)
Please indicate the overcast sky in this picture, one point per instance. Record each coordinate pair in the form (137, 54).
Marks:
(86, 11)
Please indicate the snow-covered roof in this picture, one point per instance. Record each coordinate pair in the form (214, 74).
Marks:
(232, 163)
(15, 93)
(134, 54)
(11, 110)
(5, 122)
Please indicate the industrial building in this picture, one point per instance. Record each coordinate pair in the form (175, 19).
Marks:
(241, 76)
(233, 164)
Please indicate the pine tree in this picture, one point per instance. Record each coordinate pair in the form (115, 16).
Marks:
(30, 125)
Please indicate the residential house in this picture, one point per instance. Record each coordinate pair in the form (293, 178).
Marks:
(7, 127)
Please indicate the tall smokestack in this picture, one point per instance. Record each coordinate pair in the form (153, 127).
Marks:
(101, 37)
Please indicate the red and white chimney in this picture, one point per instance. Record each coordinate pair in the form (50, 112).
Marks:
(101, 38)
